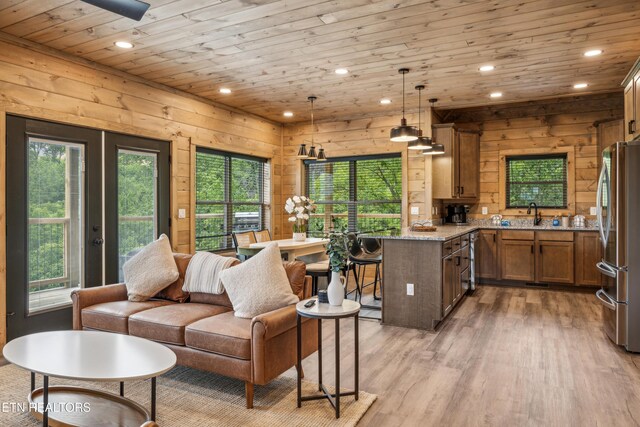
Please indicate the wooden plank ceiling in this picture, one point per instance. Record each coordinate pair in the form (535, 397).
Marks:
(274, 53)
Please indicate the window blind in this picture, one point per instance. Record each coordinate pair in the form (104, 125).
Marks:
(359, 194)
(232, 194)
(541, 179)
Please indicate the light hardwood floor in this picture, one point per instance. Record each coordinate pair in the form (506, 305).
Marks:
(506, 357)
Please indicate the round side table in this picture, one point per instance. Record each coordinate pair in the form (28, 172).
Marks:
(327, 312)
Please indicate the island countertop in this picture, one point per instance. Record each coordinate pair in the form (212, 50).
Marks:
(446, 232)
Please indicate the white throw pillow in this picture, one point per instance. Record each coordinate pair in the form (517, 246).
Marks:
(150, 270)
(258, 285)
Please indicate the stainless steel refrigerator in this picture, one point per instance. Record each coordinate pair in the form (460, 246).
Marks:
(618, 212)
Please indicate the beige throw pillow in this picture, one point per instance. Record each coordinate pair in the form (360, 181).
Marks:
(258, 285)
(150, 270)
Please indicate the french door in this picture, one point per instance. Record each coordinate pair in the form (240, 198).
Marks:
(67, 214)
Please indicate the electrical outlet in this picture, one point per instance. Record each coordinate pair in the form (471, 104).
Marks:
(593, 210)
(415, 210)
(485, 210)
(182, 213)
(410, 289)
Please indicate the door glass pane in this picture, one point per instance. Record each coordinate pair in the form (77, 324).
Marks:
(56, 211)
(137, 202)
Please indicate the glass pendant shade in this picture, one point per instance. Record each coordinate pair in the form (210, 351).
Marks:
(435, 149)
(422, 143)
(312, 153)
(302, 152)
(321, 156)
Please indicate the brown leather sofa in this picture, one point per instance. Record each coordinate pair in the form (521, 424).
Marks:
(203, 332)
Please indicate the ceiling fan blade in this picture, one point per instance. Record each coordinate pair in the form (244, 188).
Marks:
(133, 9)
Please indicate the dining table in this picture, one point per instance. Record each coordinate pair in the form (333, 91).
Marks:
(289, 248)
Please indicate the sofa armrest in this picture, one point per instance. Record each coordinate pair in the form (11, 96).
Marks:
(268, 325)
(87, 297)
(307, 288)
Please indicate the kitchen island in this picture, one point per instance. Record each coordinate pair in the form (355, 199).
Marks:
(427, 274)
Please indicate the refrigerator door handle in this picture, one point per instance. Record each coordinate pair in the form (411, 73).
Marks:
(605, 299)
(599, 205)
(606, 270)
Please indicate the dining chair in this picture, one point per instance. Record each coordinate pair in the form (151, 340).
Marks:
(263, 235)
(244, 238)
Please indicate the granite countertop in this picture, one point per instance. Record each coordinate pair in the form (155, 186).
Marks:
(446, 232)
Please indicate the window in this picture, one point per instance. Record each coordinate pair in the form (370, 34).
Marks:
(355, 194)
(536, 178)
(232, 194)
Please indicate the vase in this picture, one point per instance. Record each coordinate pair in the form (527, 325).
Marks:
(335, 291)
(299, 237)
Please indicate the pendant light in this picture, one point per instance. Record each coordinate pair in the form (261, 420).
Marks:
(403, 133)
(435, 148)
(320, 155)
(423, 142)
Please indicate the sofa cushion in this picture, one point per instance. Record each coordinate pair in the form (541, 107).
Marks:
(114, 316)
(174, 291)
(166, 324)
(222, 334)
(150, 270)
(259, 285)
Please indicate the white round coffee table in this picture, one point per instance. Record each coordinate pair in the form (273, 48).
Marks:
(89, 356)
(322, 311)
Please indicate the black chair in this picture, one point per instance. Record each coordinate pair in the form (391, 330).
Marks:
(361, 258)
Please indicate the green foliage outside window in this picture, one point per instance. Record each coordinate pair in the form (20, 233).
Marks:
(538, 179)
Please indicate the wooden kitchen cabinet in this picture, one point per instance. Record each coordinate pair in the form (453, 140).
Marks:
(517, 260)
(631, 86)
(456, 173)
(554, 262)
(486, 252)
(448, 278)
(609, 132)
(588, 252)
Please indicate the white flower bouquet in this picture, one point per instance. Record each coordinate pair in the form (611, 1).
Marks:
(300, 208)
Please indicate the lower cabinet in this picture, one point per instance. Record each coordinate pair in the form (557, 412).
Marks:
(455, 273)
(517, 260)
(487, 254)
(555, 262)
(448, 273)
(588, 252)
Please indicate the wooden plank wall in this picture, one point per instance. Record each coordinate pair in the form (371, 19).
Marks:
(46, 84)
(555, 123)
(360, 137)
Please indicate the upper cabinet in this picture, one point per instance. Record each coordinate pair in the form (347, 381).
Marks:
(456, 173)
(631, 86)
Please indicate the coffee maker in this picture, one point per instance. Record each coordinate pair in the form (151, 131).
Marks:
(457, 214)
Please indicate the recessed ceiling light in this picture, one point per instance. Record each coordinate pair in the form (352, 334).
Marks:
(225, 90)
(123, 44)
(342, 71)
(288, 114)
(385, 101)
(487, 68)
(580, 85)
(594, 52)
(496, 94)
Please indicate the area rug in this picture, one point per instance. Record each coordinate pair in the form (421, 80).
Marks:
(189, 397)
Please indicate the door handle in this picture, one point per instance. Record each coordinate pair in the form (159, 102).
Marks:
(606, 270)
(540, 248)
(461, 190)
(531, 248)
(605, 300)
(632, 126)
(98, 241)
(11, 313)
(457, 261)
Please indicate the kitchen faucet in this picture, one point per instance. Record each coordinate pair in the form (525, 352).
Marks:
(537, 216)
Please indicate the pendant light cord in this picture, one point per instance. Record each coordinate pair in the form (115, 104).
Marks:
(419, 110)
(403, 94)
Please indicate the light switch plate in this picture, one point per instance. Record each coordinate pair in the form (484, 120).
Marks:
(485, 210)
(593, 210)
(410, 289)
(415, 210)
(182, 213)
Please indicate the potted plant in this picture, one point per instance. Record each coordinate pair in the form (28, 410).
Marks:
(338, 256)
(300, 208)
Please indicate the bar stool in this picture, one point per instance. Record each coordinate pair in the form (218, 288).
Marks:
(361, 259)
